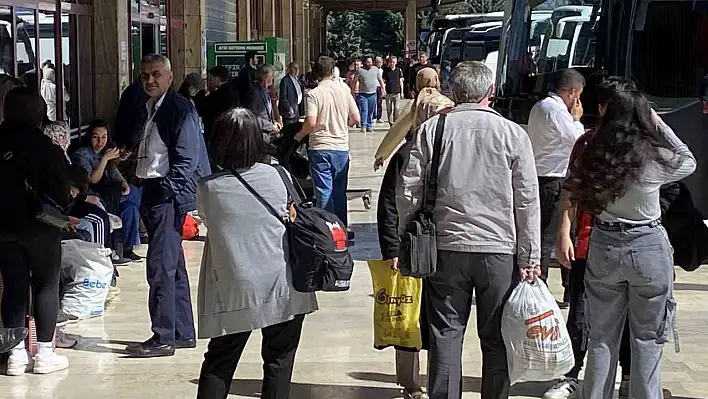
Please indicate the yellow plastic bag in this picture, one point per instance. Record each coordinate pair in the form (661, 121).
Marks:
(397, 301)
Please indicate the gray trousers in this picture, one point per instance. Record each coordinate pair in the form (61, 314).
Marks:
(392, 107)
(448, 302)
(628, 272)
(408, 370)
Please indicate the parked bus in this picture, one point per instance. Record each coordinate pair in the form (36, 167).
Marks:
(442, 27)
(661, 44)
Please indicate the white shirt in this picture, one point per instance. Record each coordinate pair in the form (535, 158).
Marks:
(153, 161)
(553, 133)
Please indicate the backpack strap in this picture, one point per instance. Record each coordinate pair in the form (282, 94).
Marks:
(431, 184)
(290, 184)
(260, 199)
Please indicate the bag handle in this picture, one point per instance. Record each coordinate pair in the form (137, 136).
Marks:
(431, 184)
(260, 199)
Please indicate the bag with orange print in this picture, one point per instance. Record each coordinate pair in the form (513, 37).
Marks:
(538, 346)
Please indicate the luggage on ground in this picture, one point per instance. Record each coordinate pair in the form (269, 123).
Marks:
(86, 273)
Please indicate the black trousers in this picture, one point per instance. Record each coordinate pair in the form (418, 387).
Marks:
(576, 323)
(290, 121)
(549, 194)
(278, 349)
(448, 302)
(379, 105)
(40, 254)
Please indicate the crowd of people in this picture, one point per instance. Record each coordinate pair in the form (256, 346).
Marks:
(506, 200)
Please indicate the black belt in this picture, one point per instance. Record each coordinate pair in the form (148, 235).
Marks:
(619, 226)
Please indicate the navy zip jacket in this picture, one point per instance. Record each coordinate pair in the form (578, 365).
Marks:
(178, 125)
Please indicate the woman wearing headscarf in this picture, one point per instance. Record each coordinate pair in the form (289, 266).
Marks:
(427, 104)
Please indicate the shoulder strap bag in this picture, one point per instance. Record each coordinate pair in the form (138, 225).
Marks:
(418, 251)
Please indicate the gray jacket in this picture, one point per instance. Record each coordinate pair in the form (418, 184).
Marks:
(245, 282)
(487, 199)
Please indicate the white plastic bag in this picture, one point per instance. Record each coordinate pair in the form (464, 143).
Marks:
(538, 346)
(87, 272)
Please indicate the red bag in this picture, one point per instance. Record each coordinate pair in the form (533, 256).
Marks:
(190, 228)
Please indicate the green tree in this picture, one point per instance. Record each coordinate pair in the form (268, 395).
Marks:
(384, 33)
(344, 33)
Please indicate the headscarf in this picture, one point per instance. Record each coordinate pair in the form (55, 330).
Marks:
(426, 105)
(59, 133)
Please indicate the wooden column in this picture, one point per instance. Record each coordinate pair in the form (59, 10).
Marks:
(410, 25)
(186, 27)
(286, 24)
(299, 34)
(268, 18)
(244, 20)
(111, 46)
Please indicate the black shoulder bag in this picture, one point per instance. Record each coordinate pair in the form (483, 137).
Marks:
(45, 209)
(419, 250)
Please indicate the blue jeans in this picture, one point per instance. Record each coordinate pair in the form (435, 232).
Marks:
(130, 215)
(367, 108)
(330, 174)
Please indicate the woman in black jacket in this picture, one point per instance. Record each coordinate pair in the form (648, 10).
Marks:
(30, 159)
(407, 360)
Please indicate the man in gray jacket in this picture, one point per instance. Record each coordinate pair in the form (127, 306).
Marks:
(487, 217)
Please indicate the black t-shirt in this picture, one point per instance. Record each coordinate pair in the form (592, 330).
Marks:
(392, 78)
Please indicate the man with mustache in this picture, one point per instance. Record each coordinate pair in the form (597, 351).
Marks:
(171, 158)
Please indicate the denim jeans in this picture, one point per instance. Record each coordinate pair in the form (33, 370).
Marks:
(367, 108)
(629, 271)
(130, 216)
(330, 174)
(576, 323)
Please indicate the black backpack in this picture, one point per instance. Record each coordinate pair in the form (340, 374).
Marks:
(318, 255)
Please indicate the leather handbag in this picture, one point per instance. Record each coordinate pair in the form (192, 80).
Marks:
(47, 210)
(419, 251)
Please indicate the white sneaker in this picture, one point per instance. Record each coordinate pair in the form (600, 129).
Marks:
(49, 363)
(566, 388)
(18, 362)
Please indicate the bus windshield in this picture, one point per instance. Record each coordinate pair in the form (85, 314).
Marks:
(537, 44)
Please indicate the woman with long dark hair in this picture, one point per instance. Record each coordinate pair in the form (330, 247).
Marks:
(99, 157)
(617, 177)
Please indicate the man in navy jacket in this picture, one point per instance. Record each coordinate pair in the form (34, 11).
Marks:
(171, 157)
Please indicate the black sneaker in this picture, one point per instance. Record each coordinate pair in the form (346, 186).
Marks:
(120, 261)
(132, 256)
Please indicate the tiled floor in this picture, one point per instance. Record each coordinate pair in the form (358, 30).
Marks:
(335, 360)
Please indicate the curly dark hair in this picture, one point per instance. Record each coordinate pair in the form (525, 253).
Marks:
(616, 154)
